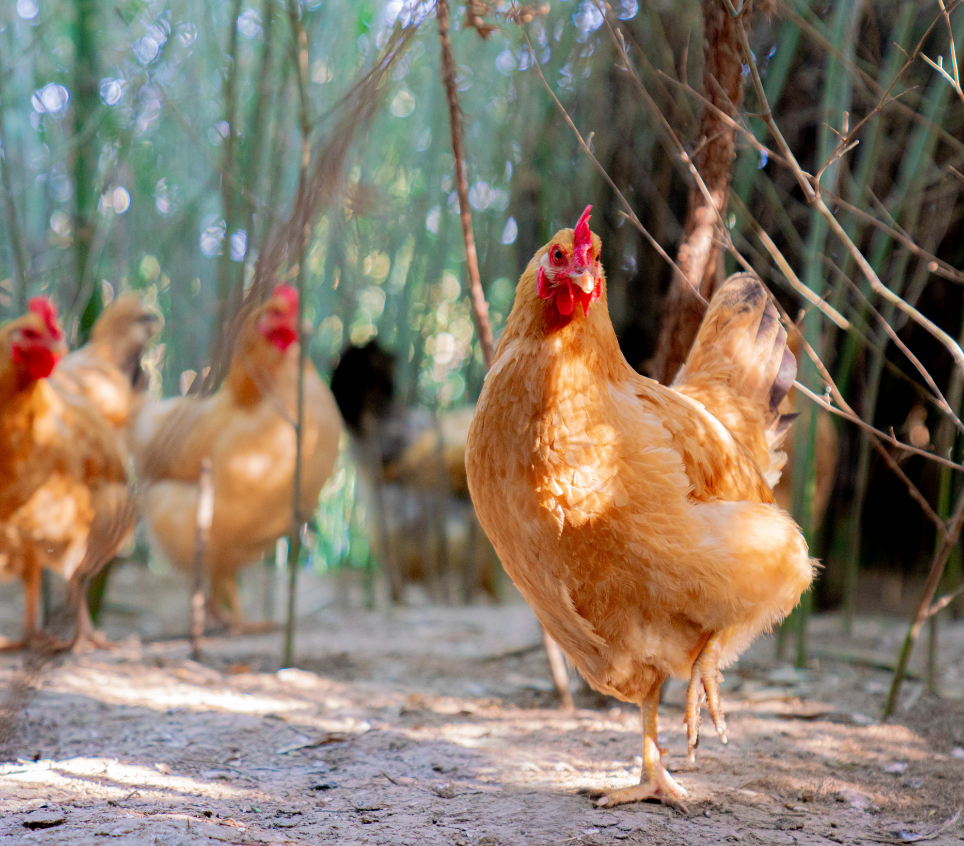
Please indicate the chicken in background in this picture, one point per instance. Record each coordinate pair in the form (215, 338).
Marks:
(64, 501)
(416, 472)
(108, 369)
(413, 470)
(638, 520)
(246, 429)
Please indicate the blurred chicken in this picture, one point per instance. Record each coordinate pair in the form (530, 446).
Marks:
(425, 529)
(638, 520)
(246, 429)
(108, 370)
(64, 501)
(436, 457)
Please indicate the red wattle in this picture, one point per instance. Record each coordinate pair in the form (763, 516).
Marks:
(564, 299)
(544, 290)
(282, 337)
(37, 362)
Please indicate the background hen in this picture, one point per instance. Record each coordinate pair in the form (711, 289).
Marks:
(65, 501)
(638, 520)
(108, 369)
(246, 429)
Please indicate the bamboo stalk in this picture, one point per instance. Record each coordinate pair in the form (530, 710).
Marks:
(228, 177)
(300, 48)
(86, 104)
(258, 124)
(20, 259)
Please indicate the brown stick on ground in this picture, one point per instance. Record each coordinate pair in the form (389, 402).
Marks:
(480, 308)
(699, 257)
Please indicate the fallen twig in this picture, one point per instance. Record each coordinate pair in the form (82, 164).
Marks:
(905, 837)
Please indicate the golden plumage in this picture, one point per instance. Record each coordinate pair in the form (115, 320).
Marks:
(64, 501)
(246, 429)
(638, 520)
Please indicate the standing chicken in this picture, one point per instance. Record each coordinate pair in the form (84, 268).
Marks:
(107, 370)
(64, 501)
(246, 430)
(638, 520)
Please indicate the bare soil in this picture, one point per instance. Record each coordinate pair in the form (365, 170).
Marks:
(428, 725)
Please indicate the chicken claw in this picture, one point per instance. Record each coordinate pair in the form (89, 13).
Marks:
(705, 678)
(654, 781)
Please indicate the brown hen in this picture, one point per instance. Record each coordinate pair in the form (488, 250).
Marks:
(638, 520)
(64, 501)
(246, 430)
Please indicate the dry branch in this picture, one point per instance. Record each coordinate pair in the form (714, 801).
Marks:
(948, 542)
(480, 309)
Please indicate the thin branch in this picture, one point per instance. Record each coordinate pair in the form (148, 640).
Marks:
(630, 214)
(844, 410)
(814, 299)
(480, 309)
(20, 259)
(954, 77)
(941, 267)
(944, 601)
(871, 83)
(867, 427)
(948, 542)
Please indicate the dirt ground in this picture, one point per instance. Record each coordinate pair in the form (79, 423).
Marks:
(428, 725)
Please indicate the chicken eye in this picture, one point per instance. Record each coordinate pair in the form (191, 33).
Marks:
(557, 255)
(30, 334)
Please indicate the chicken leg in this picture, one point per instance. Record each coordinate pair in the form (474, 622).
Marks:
(705, 678)
(86, 637)
(654, 781)
(31, 599)
(225, 606)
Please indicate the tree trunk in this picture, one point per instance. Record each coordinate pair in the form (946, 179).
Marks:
(700, 259)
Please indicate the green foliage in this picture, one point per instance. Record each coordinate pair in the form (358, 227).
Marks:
(387, 262)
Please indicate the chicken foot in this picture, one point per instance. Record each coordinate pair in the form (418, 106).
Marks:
(654, 781)
(705, 679)
(224, 606)
(86, 636)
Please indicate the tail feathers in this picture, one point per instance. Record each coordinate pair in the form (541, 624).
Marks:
(740, 368)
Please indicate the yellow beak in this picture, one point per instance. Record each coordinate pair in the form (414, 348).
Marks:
(584, 280)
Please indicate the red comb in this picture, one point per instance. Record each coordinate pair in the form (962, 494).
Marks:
(582, 240)
(289, 293)
(45, 309)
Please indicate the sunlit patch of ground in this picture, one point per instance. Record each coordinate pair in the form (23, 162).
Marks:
(428, 726)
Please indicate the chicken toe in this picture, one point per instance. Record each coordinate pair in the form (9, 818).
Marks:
(705, 681)
(654, 781)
